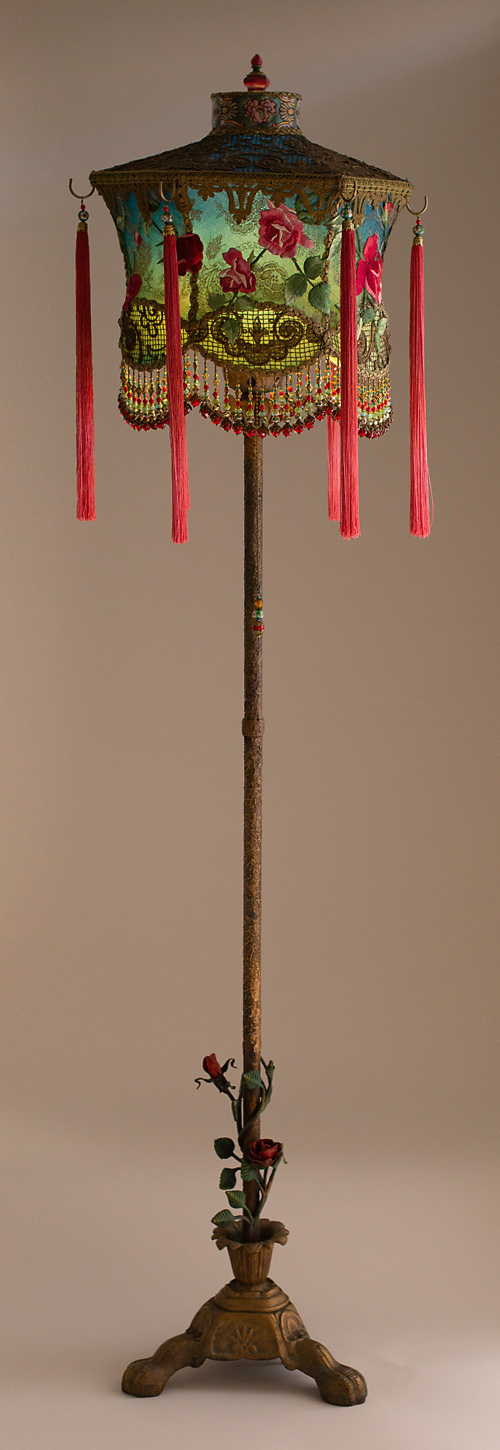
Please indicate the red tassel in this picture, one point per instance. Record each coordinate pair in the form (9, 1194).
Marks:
(419, 471)
(177, 417)
(85, 472)
(333, 449)
(349, 496)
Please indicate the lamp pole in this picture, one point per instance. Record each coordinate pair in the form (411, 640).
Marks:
(253, 730)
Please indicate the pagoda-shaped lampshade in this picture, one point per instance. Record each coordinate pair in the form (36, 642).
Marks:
(257, 212)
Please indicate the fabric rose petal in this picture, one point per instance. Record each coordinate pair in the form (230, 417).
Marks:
(264, 1152)
(134, 285)
(369, 269)
(239, 276)
(189, 253)
(281, 232)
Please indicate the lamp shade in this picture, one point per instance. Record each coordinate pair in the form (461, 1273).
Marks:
(257, 213)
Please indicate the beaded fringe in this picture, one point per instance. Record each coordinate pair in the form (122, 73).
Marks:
(294, 402)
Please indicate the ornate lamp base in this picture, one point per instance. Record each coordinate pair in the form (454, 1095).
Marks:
(253, 1321)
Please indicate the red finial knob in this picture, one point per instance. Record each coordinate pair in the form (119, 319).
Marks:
(255, 81)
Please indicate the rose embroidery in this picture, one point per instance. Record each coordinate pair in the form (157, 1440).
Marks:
(239, 276)
(134, 285)
(281, 232)
(258, 109)
(138, 238)
(369, 270)
(189, 254)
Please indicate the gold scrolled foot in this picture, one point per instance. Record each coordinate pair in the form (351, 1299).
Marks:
(338, 1384)
(146, 1377)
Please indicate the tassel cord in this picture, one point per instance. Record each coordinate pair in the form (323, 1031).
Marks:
(420, 487)
(85, 465)
(349, 487)
(175, 372)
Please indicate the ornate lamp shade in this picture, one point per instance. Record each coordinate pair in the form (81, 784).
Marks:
(257, 213)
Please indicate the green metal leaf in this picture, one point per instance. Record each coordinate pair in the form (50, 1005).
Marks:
(253, 1079)
(295, 286)
(224, 1147)
(237, 1200)
(225, 1216)
(313, 267)
(248, 1173)
(227, 1179)
(369, 314)
(320, 297)
(231, 328)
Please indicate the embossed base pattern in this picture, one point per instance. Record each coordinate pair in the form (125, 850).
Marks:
(255, 1323)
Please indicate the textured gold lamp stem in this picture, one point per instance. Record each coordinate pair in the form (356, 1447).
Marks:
(253, 729)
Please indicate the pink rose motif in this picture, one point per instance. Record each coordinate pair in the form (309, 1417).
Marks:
(258, 108)
(369, 269)
(134, 285)
(239, 276)
(138, 238)
(281, 232)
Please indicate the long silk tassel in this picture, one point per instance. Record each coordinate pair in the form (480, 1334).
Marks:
(333, 450)
(419, 471)
(177, 417)
(349, 490)
(85, 469)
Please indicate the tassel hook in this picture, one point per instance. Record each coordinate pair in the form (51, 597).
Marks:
(77, 194)
(422, 208)
(348, 199)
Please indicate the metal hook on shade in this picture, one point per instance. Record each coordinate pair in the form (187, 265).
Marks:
(422, 208)
(348, 199)
(164, 198)
(78, 194)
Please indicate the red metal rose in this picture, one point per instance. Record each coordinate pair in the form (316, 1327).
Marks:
(239, 276)
(281, 232)
(189, 253)
(211, 1065)
(263, 1152)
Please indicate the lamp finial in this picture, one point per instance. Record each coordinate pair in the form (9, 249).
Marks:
(255, 81)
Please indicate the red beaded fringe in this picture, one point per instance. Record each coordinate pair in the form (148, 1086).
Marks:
(85, 470)
(349, 500)
(333, 450)
(177, 420)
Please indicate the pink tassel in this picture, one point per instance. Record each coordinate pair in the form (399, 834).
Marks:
(177, 418)
(349, 496)
(419, 471)
(333, 449)
(85, 471)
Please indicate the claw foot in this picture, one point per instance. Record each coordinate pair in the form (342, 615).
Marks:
(147, 1377)
(338, 1384)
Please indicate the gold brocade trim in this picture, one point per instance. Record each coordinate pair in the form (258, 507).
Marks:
(320, 194)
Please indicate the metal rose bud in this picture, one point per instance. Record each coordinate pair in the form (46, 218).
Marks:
(211, 1066)
(263, 1152)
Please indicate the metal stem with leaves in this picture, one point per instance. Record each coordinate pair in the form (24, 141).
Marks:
(262, 1173)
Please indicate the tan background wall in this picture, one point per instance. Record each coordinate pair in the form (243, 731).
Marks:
(122, 678)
